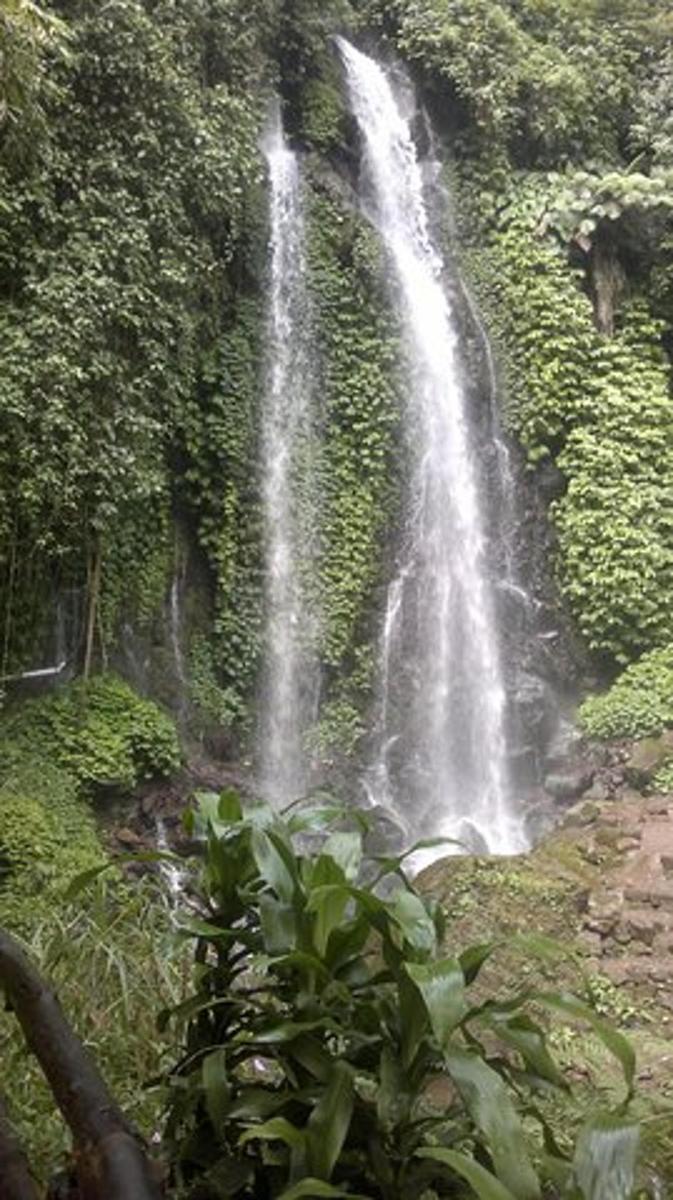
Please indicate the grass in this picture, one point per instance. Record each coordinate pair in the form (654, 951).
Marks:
(115, 962)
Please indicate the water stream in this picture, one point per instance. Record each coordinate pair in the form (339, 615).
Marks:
(440, 760)
(290, 676)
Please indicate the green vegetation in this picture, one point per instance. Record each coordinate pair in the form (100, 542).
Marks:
(639, 703)
(117, 237)
(114, 962)
(99, 732)
(361, 464)
(324, 1010)
(55, 755)
(602, 410)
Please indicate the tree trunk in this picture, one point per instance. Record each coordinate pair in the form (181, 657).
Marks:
(607, 281)
(16, 1181)
(110, 1161)
(94, 593)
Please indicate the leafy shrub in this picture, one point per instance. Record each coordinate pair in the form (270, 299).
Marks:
(639, 703)
(324, 1008)
(663, 780)
(99, 732)
(47, 837)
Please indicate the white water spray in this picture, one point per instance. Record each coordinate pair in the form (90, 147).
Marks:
(290, 679)
(441, 759)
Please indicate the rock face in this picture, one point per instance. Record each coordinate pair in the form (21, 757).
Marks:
(568, 785)
(602, 880)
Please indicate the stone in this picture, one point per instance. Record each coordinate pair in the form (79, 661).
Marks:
(597, 792)
(569, 785)
(647, 756)
(127, 837)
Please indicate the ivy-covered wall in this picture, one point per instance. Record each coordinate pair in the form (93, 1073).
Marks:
(132, 285)
(599, 408)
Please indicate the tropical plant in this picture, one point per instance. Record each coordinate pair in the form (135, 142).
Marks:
(325, 1008)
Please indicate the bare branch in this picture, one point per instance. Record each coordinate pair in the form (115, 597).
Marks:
(16, 1181)
(111, 1163)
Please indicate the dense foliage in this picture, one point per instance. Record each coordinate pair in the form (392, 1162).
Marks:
(639, 703)
(100, 733)
(326, 1004)
(601, 409)
(116, 243)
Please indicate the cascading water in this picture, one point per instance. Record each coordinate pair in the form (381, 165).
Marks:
(441, 759)
(290, 674)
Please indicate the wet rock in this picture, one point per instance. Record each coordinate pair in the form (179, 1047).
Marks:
(533, 707)
(563, 748)
(597, 792)
(569, 785)
(551, 482)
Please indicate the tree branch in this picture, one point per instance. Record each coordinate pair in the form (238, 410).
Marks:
(16, 1181)
(111, 1163)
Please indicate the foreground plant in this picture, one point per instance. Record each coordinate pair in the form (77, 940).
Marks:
(324, 1009)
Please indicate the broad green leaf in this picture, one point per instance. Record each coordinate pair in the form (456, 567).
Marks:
(329, 1122)
(271, 865)
(488, 1101)
(256, 1103)
(522, 1034)
(312, 1056)
(315, 818)
(538, 945)
(390, 865)
(229, 809)
(485, 1185)
(347, 943)
(473, 958)
(279, 924)
(278, 1129)
(329, 905)
(410, 914)
(442, 987)
(346, 850)
(84, 878)
(605, 1158)
(318, 1189)
(321, 872)
(278, 1032)
(614, 1041)
(192, 927)
(393, 1100)
(216, 1087)
(299, 960)
(414, 1018)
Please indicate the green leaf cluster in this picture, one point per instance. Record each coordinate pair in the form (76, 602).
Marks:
(600, 409)
(117, 241)
(537, 81)
(359, 468)
(99, 732)
(325, 1003)
(639, 703)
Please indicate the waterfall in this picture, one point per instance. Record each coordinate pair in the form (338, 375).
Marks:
(441, 756)
(290, 679)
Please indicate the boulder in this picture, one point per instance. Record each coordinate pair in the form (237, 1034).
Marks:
(647, 756)
(569, 785)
